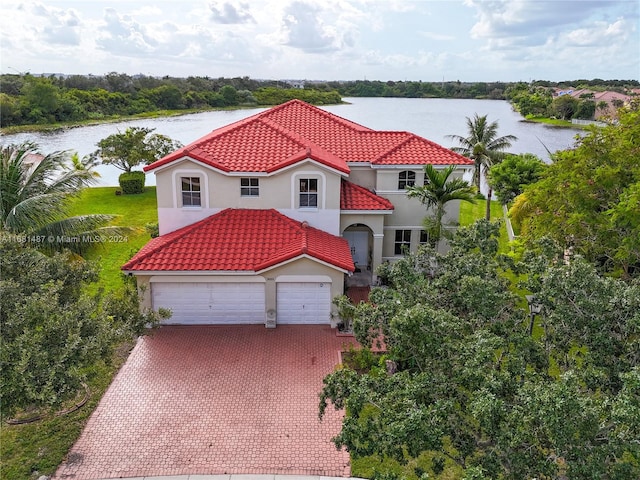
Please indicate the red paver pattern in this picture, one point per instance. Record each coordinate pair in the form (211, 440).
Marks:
(216, 400)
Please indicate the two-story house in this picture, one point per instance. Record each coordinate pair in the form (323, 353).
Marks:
(261, 221)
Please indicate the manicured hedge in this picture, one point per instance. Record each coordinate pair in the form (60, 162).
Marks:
(132, 182)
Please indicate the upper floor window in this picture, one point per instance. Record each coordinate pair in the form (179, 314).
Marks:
(402, 242)
(308, 192)
(406, 179)
(191, 192)
(249, 187)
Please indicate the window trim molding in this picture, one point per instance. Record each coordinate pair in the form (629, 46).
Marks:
(204, 188)
(295, 189)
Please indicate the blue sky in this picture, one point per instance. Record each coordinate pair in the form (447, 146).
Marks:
(467, 40)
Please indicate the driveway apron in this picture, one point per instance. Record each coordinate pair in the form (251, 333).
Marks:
(216, 400)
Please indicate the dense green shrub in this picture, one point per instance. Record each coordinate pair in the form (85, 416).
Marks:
(132, 182)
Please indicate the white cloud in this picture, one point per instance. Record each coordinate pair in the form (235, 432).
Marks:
(230, 13)
(121, 34)
(58, 26)
(304, 28)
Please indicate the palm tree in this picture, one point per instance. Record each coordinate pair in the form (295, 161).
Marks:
(436, 192)
(34, 194)
(484, 147)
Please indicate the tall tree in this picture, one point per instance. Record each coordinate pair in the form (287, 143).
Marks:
(34, 194)
(437, 191)
(483, 145)
(135, 146)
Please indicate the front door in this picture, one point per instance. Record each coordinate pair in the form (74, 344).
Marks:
(359, 245)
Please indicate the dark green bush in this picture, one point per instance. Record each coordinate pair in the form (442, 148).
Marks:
(132, 182)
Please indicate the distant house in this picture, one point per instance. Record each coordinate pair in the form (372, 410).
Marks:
(607, 103)
(261, 221)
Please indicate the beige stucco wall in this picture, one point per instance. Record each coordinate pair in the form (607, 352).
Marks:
(409, 213)
(364, 176)
(278, 190)
(219, 191)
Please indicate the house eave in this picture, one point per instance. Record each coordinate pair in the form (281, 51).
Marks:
(189, 272)
(299, 257)
(366, 212)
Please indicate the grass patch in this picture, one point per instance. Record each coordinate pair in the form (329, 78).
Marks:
(134, 211)
(554, 122)
(31, 450)
(470, 212)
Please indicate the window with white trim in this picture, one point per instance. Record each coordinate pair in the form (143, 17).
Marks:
(424, 237)
(191, 192)
(308, 193)
(250, 187)
(402, 241)
(406, 178)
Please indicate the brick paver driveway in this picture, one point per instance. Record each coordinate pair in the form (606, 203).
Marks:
(216, 399)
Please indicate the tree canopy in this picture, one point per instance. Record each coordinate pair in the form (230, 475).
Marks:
(473, 387)
(135, 146)
(52, 329)
(587, 199)
(509, 177)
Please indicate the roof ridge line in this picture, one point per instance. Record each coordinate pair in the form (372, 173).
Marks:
(396, 147)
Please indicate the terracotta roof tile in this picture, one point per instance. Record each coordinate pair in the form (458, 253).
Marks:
(295, 130)
(355, 197)
(240, 240)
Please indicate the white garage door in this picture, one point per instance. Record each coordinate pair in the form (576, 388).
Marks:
(210, 303)
(304, 302)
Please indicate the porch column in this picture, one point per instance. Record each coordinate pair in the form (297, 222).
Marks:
(377, 255)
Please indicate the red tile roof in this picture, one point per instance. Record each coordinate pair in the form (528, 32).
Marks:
(240, 240)
(294, 131)
(355, 197)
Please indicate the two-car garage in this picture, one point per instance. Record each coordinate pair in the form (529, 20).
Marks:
(215, 303)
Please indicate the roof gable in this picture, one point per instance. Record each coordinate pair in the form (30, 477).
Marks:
(240, 240)
(294, 131)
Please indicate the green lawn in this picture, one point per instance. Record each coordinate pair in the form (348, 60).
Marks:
(470, 212)
(134, 211)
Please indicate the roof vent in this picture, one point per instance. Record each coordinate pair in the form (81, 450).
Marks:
(305, 224)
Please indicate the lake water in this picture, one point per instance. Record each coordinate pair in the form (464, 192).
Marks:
(433, 119)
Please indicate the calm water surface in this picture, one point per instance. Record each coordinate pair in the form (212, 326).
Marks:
(430, 118)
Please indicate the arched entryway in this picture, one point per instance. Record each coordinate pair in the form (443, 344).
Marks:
(360, 238)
